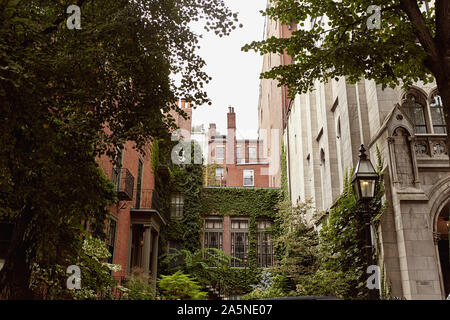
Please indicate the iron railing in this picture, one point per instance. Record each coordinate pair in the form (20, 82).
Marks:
(124, 182)
(147, 199)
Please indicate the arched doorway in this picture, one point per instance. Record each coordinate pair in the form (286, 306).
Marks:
(443, 243)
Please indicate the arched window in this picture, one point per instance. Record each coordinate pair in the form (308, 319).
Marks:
(414, 107)
(437, 113)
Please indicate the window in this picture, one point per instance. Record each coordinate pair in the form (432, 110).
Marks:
(219, 174)
(252, 153)
(239, 243)
(248, 178)
(238, 152)
(111, 238)
(139, 183)
(220, 152)
(176, 206)
(213, 235)
(265, 245)
(414, 107)
(437, 114)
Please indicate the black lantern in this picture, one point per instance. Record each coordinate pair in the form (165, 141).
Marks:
(365, 177)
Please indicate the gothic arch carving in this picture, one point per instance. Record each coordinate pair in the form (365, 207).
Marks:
(439, 198)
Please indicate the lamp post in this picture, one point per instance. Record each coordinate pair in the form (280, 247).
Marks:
(364, 181)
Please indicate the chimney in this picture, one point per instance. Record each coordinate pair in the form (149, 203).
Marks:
(212, 131)
(231, 118)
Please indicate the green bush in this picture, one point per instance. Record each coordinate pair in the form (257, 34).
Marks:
(138, 287)
(326, 283)
(180, 286)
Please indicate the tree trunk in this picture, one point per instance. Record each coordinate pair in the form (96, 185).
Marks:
(15, 275)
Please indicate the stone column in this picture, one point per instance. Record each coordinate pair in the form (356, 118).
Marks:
(154, 259)
(147, 246)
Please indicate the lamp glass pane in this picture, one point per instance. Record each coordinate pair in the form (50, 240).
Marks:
(367, 188)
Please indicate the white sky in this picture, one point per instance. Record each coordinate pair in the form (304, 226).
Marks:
(235, 73)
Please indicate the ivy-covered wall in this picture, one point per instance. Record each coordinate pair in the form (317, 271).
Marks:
(200, 202)
(254, 203)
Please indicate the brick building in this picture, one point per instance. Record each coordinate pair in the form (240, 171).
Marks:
(136, 220)
(273, 101)
(238, 162)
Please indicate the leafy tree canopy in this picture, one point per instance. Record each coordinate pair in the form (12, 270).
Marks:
(412, 43)
(67, 96)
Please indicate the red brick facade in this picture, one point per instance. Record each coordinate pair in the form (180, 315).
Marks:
(236, 156)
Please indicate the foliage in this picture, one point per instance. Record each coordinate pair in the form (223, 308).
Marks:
(240, 201)
(180, 286)
(209, 173)
(342, 238)
(137, 287)
(258, 294)
(68, 96)
(96, 279)
(411, 43)
(284, 174)
(205, 265)
(331, 263)
(326, 283)
(192, 207)
(296, 243)
(271, 285)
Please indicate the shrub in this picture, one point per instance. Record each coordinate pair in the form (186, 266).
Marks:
(180, 286)
(138, 287)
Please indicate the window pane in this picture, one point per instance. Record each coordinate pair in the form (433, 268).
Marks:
(252, 152)
(177, 205)
(437, 114)
(239, 249)
(219, 172)
(265, 250)
(213, 224)
(220, 152)
(416, 113)
(248, 177)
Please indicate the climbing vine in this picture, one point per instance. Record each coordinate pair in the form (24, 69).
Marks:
(284, 175)
(342, 240)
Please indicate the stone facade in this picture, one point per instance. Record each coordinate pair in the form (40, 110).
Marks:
(325, 128)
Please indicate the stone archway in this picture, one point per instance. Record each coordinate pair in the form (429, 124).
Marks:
(443, 246)
(440, 211)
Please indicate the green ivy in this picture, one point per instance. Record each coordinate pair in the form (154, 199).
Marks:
(342, 238)
(254, 202)
(284, 175)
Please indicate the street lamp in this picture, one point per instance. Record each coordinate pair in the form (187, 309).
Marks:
(364, 178)
(364, 181)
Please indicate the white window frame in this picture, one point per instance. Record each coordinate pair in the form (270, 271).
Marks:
(252, 175)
